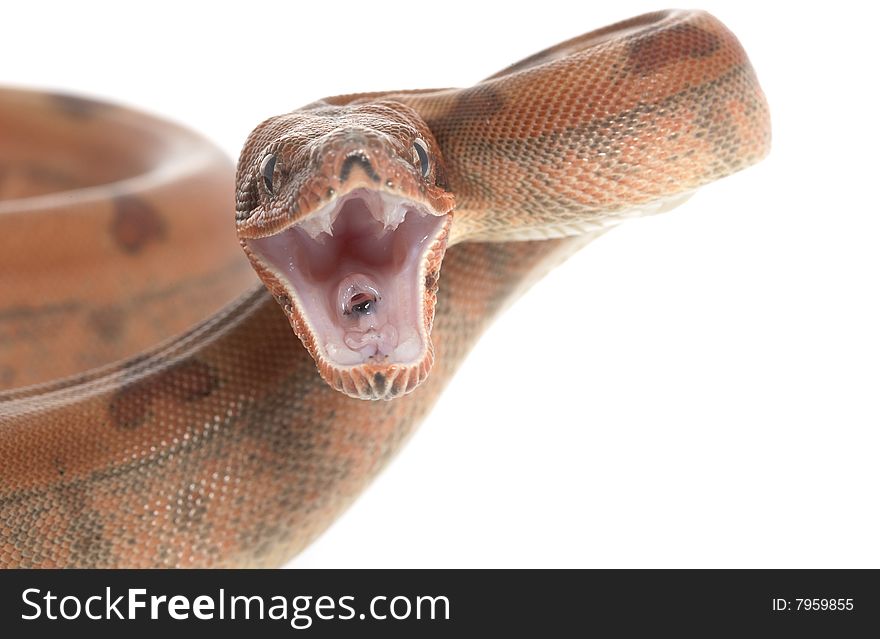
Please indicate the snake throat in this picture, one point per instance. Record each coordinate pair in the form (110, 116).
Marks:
(355, 272)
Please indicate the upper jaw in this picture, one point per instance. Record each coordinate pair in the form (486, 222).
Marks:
(386, 209)
(355, 272)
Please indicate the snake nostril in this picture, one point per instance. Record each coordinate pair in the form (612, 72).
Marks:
(361, 159)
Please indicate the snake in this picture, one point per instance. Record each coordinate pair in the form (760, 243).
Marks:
(158, 409)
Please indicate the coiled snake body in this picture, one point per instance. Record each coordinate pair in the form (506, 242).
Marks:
(223, 446)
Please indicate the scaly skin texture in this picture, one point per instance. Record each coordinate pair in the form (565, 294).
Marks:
(224, 447)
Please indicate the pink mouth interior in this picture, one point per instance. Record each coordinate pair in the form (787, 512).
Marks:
(354, 269)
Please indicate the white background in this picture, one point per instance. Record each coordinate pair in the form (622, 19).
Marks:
(702, 386)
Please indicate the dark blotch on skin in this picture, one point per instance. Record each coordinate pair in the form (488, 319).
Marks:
(108, 323)
(76, 106)
(475, 104)
(186, 381)
(656, 49)
(135, 224)
(84, 525)
(193, 379)
(129, 407)
(50, 177)
(480, 101)
(472, 107)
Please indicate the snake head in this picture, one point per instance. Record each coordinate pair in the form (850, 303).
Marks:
(344, 213)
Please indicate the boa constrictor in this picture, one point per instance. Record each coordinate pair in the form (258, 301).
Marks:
(391, 228)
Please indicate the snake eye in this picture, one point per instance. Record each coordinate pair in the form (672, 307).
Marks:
(267, 170)
(420, 156)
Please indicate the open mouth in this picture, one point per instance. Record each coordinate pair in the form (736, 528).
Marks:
(355, 270)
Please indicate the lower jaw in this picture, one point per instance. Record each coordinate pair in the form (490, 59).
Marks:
(377, 381)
